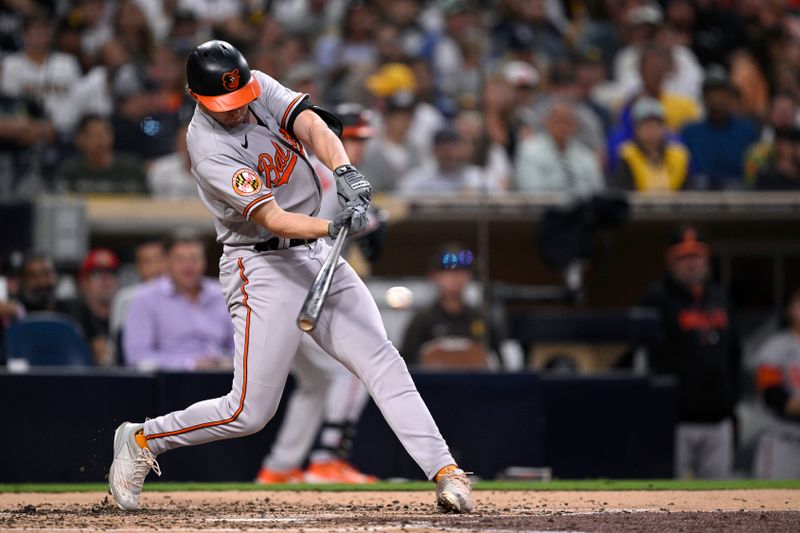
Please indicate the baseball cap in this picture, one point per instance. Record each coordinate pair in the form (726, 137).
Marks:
(401, 101)
(391, 78)
(355, 121)
(99, 260)
(646, 14)
(645, 108)
(521, 74)
(521, 39)
(452, 257)
(686, 242)
(717, 78)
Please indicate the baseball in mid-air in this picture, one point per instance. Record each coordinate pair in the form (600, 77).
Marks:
(399, 297)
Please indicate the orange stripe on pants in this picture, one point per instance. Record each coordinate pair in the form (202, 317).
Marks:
(244, 383)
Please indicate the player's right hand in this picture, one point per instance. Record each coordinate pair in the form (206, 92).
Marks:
(354, 214)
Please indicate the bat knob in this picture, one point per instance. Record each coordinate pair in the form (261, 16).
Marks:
(305, 323)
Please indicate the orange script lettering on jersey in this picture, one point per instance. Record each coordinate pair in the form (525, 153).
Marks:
(294, 142)
(698, 319)
(277, 169)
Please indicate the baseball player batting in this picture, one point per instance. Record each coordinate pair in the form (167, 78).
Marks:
(328, 398)
(246, 144)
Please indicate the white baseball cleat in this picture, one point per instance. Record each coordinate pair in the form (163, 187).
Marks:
(454, 492)
(131, 465)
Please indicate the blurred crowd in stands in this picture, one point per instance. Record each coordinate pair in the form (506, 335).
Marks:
(467, 95)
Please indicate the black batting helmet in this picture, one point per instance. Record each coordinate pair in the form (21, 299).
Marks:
(219, 76)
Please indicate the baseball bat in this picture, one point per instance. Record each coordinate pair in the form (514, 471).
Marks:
(312, 307)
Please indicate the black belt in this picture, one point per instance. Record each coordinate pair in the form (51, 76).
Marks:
(274, 244)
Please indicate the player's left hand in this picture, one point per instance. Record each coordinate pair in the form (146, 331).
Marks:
(352, 186)
(356, 213)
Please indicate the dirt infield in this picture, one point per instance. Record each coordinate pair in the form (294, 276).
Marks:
(623, 511)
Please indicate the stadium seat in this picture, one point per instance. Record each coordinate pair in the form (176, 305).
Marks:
(454, 353)
(47, 339)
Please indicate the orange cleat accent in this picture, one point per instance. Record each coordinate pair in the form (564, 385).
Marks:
(449, 469)
(140, 439)
(272, 477)
(337, 471)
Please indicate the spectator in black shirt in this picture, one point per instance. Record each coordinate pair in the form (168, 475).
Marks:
(98, 282)
(36, 291)
(699, 347)
(37, 285)
(449, 333)
(98, 168)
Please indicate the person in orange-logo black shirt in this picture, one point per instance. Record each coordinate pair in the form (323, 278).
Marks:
(698, 346)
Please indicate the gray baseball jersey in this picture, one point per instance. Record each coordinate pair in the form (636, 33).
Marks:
(241, 168)
(237, 170)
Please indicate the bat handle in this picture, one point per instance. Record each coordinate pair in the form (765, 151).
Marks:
(312, 307)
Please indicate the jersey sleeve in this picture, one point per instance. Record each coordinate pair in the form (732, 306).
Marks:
(234, 183)
(770, 359)
(281, 101)
(772, 352)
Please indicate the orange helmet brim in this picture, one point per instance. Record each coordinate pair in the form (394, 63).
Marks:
(236, 99)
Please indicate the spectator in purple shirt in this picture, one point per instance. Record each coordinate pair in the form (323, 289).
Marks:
(179, 320)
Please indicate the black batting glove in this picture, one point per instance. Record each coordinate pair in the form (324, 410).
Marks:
(354, 214)
(351, 186)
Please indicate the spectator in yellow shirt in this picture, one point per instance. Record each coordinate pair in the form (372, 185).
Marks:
(650, 162)
(678, 110)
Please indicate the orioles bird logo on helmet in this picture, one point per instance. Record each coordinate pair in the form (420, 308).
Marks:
(230, 80)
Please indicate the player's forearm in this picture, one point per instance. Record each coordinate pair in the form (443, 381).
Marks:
(290, 225)
(297, 226)
(329, 148)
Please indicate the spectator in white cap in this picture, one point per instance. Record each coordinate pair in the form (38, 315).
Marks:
(563, 83)
(525, 79)
(650, 162)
